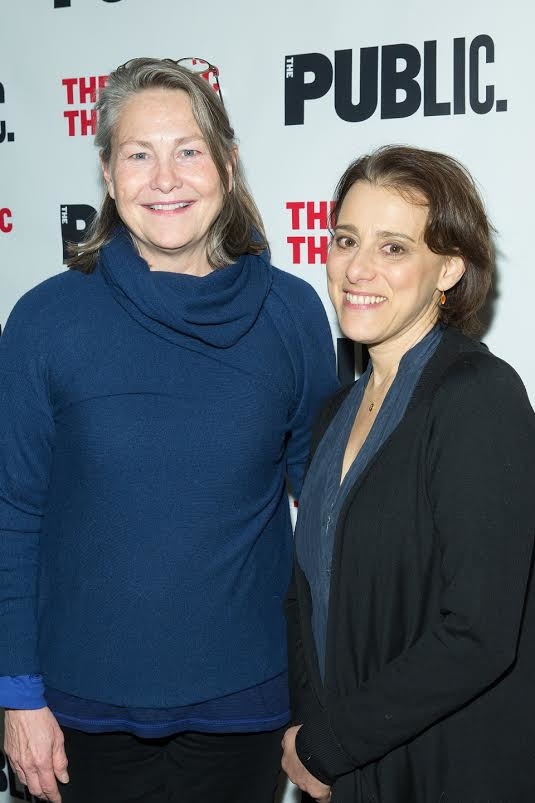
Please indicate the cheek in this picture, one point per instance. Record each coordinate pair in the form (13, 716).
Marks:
(333, 267)
(330, 284)
(116, 187)
(405, 279)
(330, 287)
(214, 189)
(210, 180)
(334, 290)
(127, 181)
(215, 198)
(336, 275)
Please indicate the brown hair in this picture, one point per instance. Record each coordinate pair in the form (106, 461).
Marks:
(457, 224)
(238, 229)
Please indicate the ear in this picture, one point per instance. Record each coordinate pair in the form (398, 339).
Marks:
(452, 271)
(231, 167)
(106, 172)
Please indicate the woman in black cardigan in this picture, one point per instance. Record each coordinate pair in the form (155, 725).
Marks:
(412, 615)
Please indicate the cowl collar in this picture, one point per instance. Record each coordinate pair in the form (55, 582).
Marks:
(217, 309)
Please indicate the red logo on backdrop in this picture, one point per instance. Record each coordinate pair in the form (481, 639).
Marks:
(307, 216)
(82, 92)
(6, 218)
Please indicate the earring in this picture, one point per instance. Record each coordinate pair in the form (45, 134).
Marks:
(442, 298)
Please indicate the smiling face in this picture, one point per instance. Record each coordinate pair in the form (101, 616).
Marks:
(163, 179)
(384, 282)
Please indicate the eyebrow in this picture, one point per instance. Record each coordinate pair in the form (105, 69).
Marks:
(383, 233)
(178, 142)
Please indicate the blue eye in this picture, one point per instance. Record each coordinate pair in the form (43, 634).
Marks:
(138, 157)
(189, 152)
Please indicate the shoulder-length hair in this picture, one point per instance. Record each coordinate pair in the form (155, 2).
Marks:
(238, 229)
(457, 224)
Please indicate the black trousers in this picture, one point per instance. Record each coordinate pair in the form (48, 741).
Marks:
(185, 768)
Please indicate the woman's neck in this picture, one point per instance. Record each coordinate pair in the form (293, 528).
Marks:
(386, 357)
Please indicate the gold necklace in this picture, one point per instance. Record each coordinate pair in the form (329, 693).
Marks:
(387, 382)
(373, 403)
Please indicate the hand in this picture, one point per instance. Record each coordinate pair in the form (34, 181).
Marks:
(33, 742)
(298, 773)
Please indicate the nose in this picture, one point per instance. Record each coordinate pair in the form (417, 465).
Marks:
(360, 267)
(166, 175)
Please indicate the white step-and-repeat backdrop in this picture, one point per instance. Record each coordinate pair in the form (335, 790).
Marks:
(309, 86)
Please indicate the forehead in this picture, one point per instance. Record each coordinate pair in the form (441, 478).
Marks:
(157, 108)
(383, 207)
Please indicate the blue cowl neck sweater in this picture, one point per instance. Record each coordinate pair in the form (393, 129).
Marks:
(217, 310)
(149, 421)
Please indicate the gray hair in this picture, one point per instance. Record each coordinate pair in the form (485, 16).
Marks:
(238, 229)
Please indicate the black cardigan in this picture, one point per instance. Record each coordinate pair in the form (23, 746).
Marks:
(429, 693)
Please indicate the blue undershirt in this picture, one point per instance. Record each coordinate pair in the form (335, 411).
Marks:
(323, 495)
(251, 710)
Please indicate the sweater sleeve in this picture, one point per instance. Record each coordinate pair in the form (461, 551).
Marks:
(23, 691)
(303, 700)
(480, 484)
(26, 433)
(316, 378)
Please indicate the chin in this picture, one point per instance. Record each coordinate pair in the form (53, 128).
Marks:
(167, 246)
(359, 334)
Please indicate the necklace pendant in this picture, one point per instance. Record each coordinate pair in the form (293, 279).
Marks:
(370, 408)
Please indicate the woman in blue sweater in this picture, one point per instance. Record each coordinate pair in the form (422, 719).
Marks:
(153, 402)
